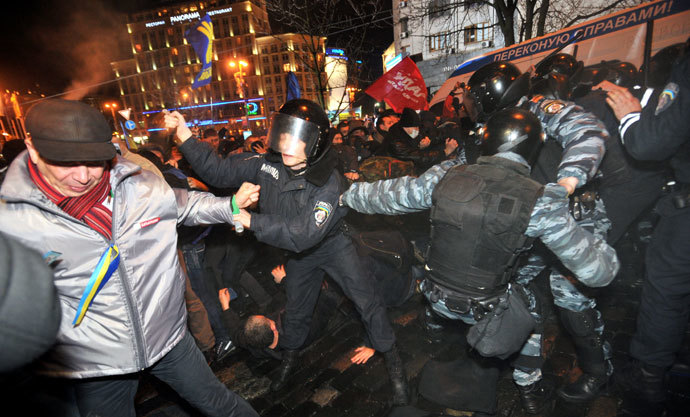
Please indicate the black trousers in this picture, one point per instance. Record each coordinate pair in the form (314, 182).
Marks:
(184, 369)
(626, 202)
(665, 304)
(336, 256)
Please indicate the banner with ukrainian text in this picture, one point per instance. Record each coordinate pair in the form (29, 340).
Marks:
(402, 86)
(619, 36)
(200, 36)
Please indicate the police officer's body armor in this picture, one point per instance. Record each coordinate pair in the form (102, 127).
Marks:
(479, 217)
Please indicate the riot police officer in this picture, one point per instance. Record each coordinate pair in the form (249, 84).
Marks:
(299, 212)
(500, 84)
(660, 131)
(483, 217)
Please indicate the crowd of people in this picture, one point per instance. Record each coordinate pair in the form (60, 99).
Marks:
(523, 176)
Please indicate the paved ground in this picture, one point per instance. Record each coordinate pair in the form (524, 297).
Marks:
(327, 384)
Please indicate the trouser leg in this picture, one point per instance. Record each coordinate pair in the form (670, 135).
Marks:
(194, 263)
(347, 269)
(197, 319)
(186, 371)
(665, 305)
(107, 397)
(626, 202)
(302, 286)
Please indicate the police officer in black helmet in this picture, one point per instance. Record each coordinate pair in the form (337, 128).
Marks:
(299, 212)
(582, 136)
(660, 130)
(484, 217)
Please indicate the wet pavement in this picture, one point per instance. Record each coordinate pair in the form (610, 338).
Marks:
(327, 384)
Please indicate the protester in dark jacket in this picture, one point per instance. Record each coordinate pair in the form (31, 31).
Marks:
(403, 142)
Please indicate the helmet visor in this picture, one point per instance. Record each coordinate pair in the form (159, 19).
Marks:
(292, 136)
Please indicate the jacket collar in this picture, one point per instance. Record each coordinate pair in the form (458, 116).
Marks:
(506, 160)
(18, 184)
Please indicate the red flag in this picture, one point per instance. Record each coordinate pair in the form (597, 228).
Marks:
(402, 86)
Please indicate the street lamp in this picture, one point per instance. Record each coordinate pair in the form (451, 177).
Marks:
(242, 89)
(112, 107)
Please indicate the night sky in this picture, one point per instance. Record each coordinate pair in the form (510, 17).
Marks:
(52, 46)
(51, 43)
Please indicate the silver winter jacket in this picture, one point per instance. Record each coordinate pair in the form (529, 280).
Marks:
(139, 315)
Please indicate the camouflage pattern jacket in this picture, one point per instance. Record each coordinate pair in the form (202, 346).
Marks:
(592, 261)
(581, 135)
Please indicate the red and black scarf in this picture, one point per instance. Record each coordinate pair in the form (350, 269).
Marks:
(87, 208)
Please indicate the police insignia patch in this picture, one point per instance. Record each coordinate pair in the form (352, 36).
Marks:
(666, 97)
(552, 106)
(322, 210)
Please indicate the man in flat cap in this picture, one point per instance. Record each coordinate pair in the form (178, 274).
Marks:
(108, 230)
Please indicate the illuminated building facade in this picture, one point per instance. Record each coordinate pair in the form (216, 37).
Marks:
(249, 65)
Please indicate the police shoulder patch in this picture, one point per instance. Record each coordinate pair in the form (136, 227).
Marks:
(322, 210)
(666, 97)
(552, 106)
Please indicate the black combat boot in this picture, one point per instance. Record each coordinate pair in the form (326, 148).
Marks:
(590, 356)
(594, 379)
(536, 397)
(287, 366)
(396, 372)
(432, 325)
(642, 381)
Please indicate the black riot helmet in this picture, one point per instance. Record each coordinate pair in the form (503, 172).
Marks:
(553, 86)
(494, 86)
(591, 76)
(300, 126)
(560, 63)
(513, 130)
(556, 75)
(660, 64)
(623, 74)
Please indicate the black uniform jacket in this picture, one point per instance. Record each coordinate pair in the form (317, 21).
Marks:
(662, 129)
(296, 212)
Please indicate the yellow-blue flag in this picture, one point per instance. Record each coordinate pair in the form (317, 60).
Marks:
(200, 36)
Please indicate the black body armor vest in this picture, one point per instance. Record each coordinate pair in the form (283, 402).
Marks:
(478, 221)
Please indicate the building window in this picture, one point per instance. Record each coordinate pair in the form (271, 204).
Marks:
(439, 41)
(403, 24)
(437, 8)
(470, 3)
(478, 33)
(274, 48)
(235, 27)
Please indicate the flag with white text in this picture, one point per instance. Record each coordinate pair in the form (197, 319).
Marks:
(402, 86)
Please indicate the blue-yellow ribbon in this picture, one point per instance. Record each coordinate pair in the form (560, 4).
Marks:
(104, 270)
